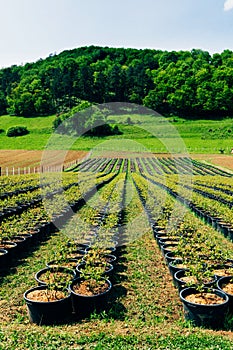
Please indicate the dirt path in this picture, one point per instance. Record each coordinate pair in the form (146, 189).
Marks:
(23, 158)
(225, 161)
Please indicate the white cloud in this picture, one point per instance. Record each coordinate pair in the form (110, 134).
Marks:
(228, 5)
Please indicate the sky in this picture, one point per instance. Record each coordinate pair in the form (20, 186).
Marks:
(34, 29)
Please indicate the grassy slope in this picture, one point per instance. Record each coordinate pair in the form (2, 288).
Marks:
(198, 136)
(40, 129)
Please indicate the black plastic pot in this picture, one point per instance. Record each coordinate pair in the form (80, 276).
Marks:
(71, 274)
(28, 240)
(58, 221)
(161, 235)
(21, 242)
(167, 240)
(180, 284)
(207, 316)
(48, 313)
(45, 230)
(3, 258)
(158, 235)
(224, 229)
(83, 246)
(220, 283)
(156, 228)
(84, 305)
(11, 247)
(165, 248)
(173, 268)
(35, 232)
(215, 221)
(110, 258)
(170, 256)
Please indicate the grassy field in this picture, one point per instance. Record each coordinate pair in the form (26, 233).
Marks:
(175, 136)
(40, 129)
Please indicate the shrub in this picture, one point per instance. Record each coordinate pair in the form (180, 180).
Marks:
(17, 131)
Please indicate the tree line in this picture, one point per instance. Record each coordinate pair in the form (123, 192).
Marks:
(185, 83)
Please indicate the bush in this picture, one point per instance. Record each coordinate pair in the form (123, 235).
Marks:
(104, 130)
(17, 131)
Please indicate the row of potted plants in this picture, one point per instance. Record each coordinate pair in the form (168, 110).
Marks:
(220, 197)
(19, 202)
(21, 232)
(152, 165)
(200, 254)
(215, 213)
(16, 183)
(77, 281)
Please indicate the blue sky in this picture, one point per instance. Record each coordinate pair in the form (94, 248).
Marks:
(32, 29)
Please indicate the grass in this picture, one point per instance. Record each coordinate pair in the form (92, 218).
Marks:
(40, 129)
(173, 135)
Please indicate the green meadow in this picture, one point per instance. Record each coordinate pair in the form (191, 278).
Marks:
(155, 134)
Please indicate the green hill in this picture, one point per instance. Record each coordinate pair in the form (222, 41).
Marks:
(184, 83)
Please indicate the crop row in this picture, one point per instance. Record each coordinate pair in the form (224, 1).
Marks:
(42, 219)
(199, 259)
(213, 211)
(153, 165)
(87, 249)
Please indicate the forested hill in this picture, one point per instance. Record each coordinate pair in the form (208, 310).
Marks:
(187, 83)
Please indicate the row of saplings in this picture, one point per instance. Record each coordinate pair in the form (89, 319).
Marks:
(74, 285)
(202, 270)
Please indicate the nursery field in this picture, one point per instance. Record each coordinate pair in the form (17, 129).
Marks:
(112, 250)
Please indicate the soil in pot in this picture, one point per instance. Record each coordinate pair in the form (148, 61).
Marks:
(165, 248)
(11, 247)
(85, 288)
(204, 299)
(45, 295)
(223, 271)
(77, 255)
(182, 280)
(228, 288)
(102, 258)
(110, 258)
